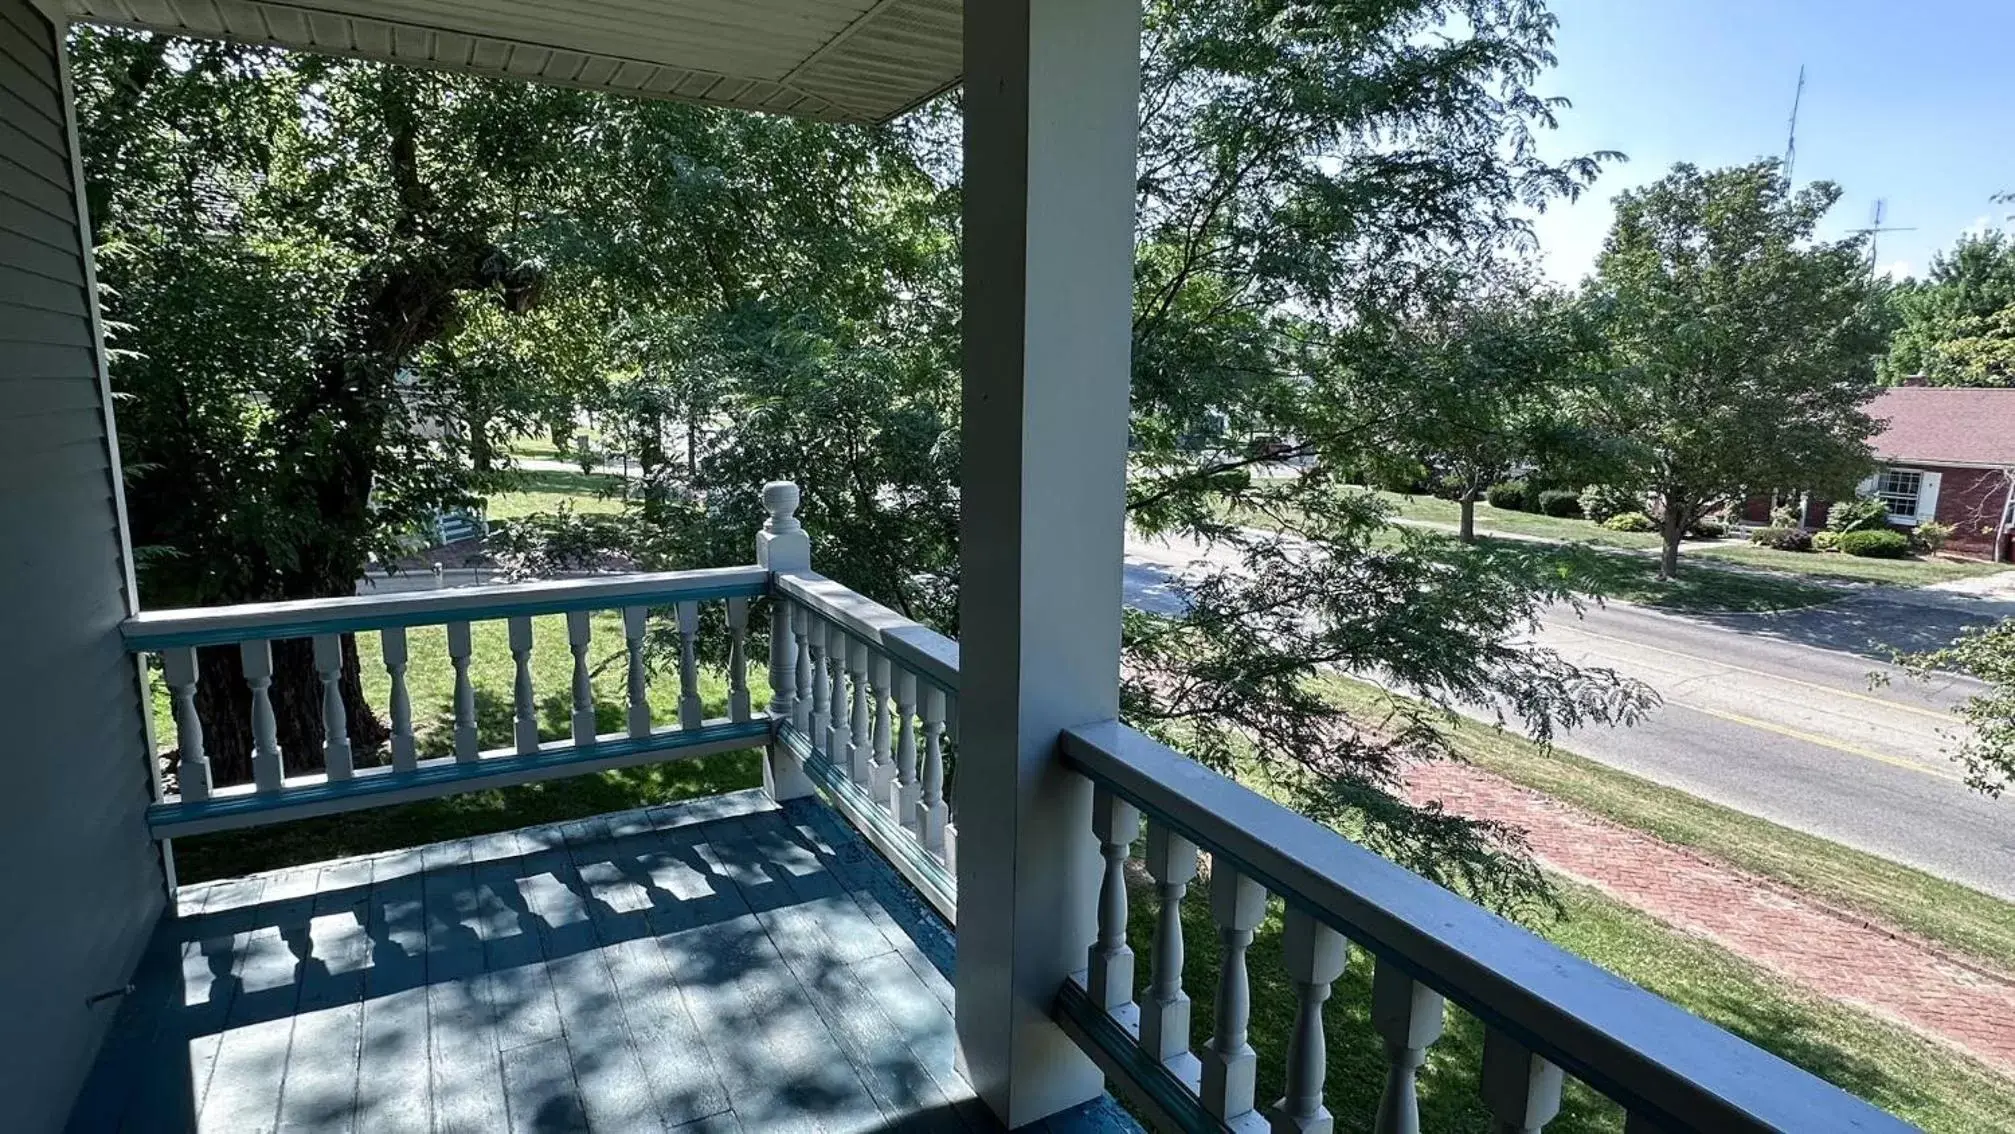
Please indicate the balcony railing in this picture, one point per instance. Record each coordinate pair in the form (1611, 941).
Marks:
(864, 706)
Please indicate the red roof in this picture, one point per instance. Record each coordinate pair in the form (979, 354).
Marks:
(1936, 425)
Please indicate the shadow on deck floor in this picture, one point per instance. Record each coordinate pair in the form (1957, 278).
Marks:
(717, 964)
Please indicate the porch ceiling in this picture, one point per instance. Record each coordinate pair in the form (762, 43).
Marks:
(835, 60)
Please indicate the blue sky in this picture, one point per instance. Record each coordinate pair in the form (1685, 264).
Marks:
(1913, 102)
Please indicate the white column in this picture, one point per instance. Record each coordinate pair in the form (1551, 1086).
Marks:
(579, 637)
(782, 545)
(801, 709)
(392, 647)
(634, 625)
(881, 761)
(192, 774)
(860, 717)
(1520, 1089)
(335, 723)
(931, 812)
(1315, 955)
(689, 665)
(1230, 1066)
(903, 793)
(1164, 1013)
(1051, 116)
(839, 724)
(1408, 1017)
(738, 660)
(1109, 961)
(460, 646)
(522, 695)
(256, 659)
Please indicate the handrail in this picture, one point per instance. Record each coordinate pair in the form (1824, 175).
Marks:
(1662, 1063)
(916, 647)
(303, 618)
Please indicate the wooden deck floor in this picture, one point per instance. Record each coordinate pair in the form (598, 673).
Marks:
(719, 964)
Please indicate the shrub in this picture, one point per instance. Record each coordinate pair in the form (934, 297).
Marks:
(1826, 541)
(1630, 522)
(1706, 527)
(1601, 501)
(1931, 535)
(1782, 539)
(1884, 544)
(1784, 516)
(1559, 502)
(1510, 495)
(1861, 514)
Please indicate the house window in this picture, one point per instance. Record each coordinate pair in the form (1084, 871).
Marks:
(1899, 489)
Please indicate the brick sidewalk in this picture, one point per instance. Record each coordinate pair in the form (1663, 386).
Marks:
(1824, 951)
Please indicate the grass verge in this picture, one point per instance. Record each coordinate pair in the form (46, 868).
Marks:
(545, 490)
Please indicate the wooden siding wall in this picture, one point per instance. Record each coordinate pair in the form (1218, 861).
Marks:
(83, 882)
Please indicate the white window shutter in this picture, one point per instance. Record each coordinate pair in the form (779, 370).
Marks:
(1927, 497)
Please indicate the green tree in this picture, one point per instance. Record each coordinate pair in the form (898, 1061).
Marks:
(1957, 326)
(1986, 748)
(1742, 349)
(1492, 376)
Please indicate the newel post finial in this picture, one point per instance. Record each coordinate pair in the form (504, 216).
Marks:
(782, 544)
(780, 499)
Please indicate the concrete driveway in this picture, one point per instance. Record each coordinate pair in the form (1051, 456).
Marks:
(1773, 715)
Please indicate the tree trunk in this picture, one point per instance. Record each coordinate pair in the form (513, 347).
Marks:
(224, 703)
(1672, 526)
(481, 454)
(1468, 529)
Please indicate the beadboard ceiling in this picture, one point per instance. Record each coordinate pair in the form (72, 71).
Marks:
(837, 60)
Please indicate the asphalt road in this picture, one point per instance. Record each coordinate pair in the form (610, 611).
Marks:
(1775, 715)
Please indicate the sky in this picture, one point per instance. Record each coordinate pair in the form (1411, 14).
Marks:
(1909, 101)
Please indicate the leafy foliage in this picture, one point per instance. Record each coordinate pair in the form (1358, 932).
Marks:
(1599, 502)
(1742, 347)
(1510, 495)
(1957, 327)
(1858, 514)
(1630, 522)
(1782, 539)
(1884, 544)
(1559, 502)
(1986, 747)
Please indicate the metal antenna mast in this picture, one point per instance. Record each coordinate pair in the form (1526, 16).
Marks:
(1875, 230)
(1791, 138)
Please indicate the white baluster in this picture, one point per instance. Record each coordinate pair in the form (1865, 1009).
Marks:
(931, 804)
(785, 675)
(738, 661)
(802, 707)
(392, 647)
(1230, 1066)
(256, 659)
(1520, 1090)
(689, 665)
(881, 760)
(580, 633)
(1408, 1016)
(951, 791)
(839, 727)
(1109, 961)
(335, 723)
(1164, 1017)
(634, 618)
(822, 700)
(860, 751)
(903, 795)
(459, 648)
(178, 667)
(521, 688)
(1315, 955)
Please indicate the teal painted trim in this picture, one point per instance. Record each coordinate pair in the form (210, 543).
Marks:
(895, 841)
(143, 641)
(1147, 1084)
(447, 777)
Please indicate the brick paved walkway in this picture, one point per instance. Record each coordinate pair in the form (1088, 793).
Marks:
(1831, 954)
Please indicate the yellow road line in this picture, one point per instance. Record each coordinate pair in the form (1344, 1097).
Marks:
(1899, 706)
(1824, 742)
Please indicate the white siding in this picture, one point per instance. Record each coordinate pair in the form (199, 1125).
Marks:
(84, 883)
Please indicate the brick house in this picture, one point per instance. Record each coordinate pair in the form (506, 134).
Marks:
(1946, 453)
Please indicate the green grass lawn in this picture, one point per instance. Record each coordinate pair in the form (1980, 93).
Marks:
(546, 491)
(1847, 568)
(1955, 917)
(1885, 1064)
(1634, 578)
(430, 681)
